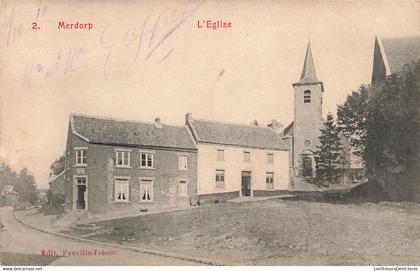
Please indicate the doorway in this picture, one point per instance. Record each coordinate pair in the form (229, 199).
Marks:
(246, 183)
(81, 195)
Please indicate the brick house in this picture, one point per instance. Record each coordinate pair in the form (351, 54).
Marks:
(115, 165)
(238, 160)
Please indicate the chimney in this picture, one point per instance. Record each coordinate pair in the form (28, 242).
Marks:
(188, 117)
(158, 124)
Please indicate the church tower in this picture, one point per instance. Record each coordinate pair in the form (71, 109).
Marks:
(307, 122)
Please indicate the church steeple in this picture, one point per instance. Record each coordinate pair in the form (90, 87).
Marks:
(307, 123)
(308, 72)
(308, 75)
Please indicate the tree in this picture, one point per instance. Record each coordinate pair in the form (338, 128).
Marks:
(58, 166)
(7, 176)
(393, 132)
(23, 183)
(329, 154)
(26, 186)
(352, 118)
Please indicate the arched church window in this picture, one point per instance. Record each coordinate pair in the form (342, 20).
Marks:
(307, 167)
(307, 96)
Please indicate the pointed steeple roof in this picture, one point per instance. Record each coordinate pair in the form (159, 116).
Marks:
(308, 75)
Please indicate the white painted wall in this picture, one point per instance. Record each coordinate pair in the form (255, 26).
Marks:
(234, 164)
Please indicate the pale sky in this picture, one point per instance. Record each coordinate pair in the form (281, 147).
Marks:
(144, 59)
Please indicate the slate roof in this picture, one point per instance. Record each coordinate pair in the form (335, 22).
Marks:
(130, 133)
(391, 54)
(236, 135)
(401, 51)
(308, 75)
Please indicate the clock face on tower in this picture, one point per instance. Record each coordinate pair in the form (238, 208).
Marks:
(307, 143)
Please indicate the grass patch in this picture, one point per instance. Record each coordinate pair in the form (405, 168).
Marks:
(279, 232)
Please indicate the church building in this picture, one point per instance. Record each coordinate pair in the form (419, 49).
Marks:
(302, 134)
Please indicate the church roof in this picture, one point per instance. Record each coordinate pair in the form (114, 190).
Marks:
(391, 54)
(288, 131)
(236, 135)
(308, 75)
(107, 131)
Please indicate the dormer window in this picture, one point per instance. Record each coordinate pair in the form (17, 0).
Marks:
(307, 96)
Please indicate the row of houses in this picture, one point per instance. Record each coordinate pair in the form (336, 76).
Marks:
(114, 165)
(119, 165)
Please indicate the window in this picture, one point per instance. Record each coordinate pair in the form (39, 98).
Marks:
(247, 156)
(270, 158)
(146, 160)
(182, 162)
(81, 180)
(81, 158)
(269, 180)
(220, 178)
(146, 190)
(183, 188)
(220, 155)
(307, 96)
(307, 167)
(122, 158)
(121, 189)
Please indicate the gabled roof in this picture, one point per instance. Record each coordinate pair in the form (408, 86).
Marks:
(308, 75)
(391, 54)
(236, 135)
(107, 131)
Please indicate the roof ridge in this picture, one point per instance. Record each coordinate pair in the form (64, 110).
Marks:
(398, 37)
(122, 120)
(232, 123)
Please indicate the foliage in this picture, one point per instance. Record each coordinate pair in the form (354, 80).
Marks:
(55, 199)
(23, 183)
(54, 204)
(58, 166)
(329, 154)
(352, 117)
(393, 132)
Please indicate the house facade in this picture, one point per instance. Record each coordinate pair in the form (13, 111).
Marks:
(114, 165)
(238, 160)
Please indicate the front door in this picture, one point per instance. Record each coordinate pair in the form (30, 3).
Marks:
(246, 183)
(81, 193)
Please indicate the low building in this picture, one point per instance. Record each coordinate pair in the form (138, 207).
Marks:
(116, 165)
(8, 196)
(238, 160)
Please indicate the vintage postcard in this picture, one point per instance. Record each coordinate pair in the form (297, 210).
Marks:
(210, 132)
